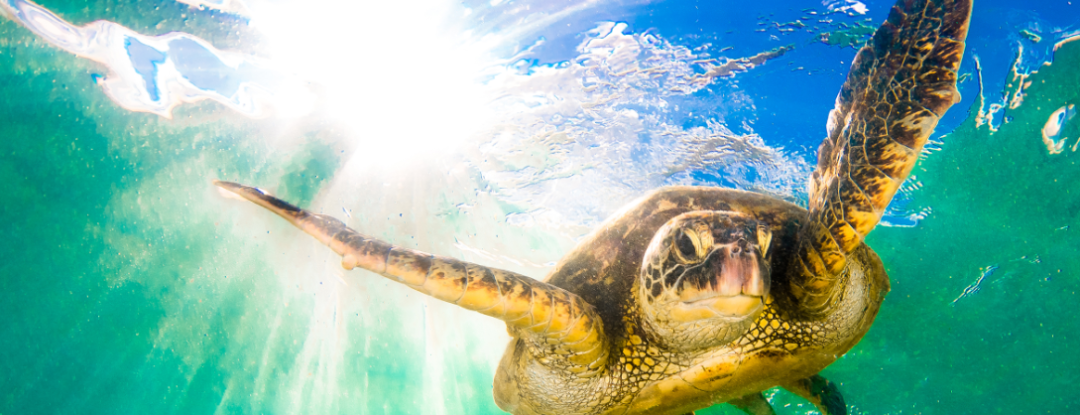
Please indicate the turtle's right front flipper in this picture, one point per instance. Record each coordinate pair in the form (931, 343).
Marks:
(558, 321)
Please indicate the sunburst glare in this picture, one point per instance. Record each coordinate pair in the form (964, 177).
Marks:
(403, 78)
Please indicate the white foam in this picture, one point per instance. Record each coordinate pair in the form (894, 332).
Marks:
(1051, 131)
(237, 7)
(156, 73)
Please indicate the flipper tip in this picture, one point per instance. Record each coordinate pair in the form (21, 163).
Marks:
(234, 187)
(246, 191)
(229, 190)
(261, 198)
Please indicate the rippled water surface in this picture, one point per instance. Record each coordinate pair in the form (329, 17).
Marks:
(501, 133)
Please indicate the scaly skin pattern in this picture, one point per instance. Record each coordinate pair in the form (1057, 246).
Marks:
(584, 343)
(899, 86)
(571, 357)
(552, 320)
(645, 374)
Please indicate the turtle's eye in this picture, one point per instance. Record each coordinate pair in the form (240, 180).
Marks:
(686, 247)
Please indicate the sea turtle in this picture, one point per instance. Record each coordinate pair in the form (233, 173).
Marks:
(693, 296)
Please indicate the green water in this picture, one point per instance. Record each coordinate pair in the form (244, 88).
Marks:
(131, 286)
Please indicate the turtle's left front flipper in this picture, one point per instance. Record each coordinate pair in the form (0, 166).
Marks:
(558, 321)
(900, 85)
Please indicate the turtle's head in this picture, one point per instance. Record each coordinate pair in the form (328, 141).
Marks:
(704, 278)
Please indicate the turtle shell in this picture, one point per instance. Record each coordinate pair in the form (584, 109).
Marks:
(603, 267)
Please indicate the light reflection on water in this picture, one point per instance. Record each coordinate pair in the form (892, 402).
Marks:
(156, 73)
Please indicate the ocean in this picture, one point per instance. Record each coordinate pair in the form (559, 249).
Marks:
(501, 133)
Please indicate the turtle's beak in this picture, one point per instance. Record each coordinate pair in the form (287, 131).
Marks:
(742, 280)
(739, 282)
(739, 271)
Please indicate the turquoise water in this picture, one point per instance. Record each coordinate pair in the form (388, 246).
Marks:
(492, 133)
